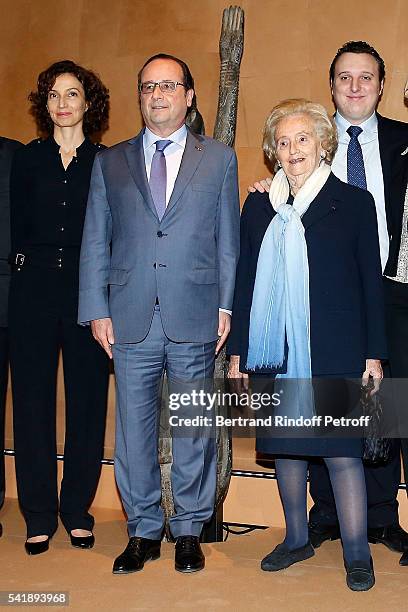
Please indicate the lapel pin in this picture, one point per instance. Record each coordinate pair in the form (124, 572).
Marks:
(198, 148)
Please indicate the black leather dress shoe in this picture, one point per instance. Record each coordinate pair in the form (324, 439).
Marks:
(189, 556)
(82, 541)
(320, 533)
(393, 536)
(281, 557)
(36, 548)
(135, 554)
(404, 559)
(360, 575)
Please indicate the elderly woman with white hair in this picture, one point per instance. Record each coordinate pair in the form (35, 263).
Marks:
(309, 303)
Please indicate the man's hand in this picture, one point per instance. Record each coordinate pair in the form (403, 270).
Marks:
(224, 326)
(373, 369)
(260, 186)
(239, 381)
(102, 331)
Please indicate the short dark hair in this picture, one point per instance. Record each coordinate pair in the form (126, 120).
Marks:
(358, 46)
(96, 94)
(188, 80)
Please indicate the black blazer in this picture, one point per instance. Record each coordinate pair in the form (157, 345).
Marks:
(393, 139)
(7, 148)
(345, 284)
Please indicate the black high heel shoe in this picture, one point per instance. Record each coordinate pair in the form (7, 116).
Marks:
(36, 548)
(82, 541)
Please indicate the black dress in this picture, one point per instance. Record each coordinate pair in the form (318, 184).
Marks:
(48, 206)
(346, 313)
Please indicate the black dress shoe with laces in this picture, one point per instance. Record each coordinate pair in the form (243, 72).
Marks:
(189, 556)
(360, 575)
(320, 533)
(82, 541)
(36, 548)
(281, 557)
(393, 536)
(136, 553)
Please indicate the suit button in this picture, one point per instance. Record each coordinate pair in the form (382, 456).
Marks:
(159, 234)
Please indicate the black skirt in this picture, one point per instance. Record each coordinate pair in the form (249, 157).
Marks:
(329, 433)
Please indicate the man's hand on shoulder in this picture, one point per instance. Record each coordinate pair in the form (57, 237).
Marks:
(260, 186)
(102, 331)
(224, 326)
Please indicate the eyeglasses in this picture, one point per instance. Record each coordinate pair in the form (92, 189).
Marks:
(166, 87)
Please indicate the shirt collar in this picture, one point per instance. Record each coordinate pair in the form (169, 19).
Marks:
(179, 137)
(369, 127)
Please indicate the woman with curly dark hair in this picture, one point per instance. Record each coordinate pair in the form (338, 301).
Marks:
(49, 188)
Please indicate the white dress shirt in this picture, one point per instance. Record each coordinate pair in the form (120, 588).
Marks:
(173, 154)
(368, 140)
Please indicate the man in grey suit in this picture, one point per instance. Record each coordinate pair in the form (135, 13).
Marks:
(157, 273)
(7, 148)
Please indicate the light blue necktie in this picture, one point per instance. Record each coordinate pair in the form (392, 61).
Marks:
(355, 161)
(158, 177)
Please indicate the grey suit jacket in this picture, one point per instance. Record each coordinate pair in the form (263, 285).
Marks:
(7, 148)
(188, 260)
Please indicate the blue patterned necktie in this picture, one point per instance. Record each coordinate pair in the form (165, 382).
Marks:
(158, 177)
(355, 161)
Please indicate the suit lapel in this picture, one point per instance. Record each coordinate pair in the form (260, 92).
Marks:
(192, 156)
(325, 203)
(136, 162)
(385, 143)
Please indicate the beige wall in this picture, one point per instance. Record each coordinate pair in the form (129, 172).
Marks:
(288, 48)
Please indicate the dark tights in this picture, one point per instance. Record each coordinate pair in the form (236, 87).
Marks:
(347, 480)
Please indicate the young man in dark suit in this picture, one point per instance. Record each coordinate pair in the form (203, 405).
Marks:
(7, 148)
(357, 80)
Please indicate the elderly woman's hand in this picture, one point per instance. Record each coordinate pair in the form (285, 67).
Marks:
(373, 369)
(239, 381)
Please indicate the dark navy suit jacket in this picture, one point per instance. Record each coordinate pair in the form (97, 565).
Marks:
(345, 281)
